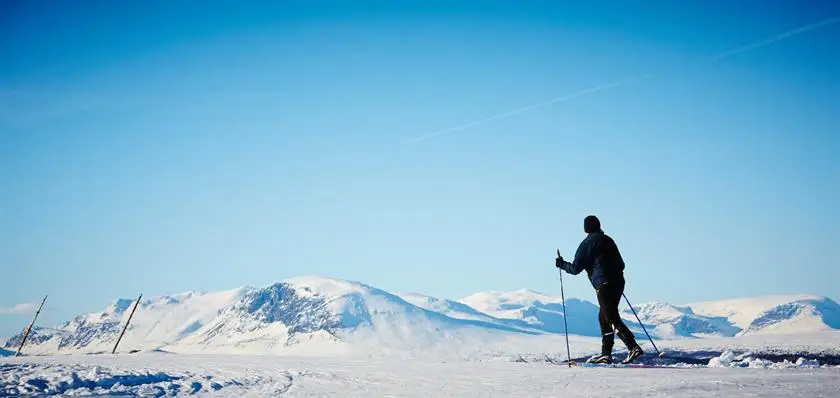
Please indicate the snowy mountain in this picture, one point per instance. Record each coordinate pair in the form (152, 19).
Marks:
(447, 307)
(538, 310)
(338, 315)
(668, 321)
(458, 310)
(726, 318)
(156, 322)
(326, 316)
(300, 315)
(775, 314)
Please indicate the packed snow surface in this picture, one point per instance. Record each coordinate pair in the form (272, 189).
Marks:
(163, 374)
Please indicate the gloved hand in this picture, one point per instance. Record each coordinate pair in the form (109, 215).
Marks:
(559, 261)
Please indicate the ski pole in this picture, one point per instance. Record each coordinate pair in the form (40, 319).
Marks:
(660, 354)
(565, 323)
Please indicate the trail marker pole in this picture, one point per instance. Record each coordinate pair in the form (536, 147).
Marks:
(114, 351)
(29, 329)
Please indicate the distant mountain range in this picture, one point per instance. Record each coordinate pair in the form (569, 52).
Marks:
(324, 316)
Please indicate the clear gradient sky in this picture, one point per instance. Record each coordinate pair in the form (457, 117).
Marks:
(165, 146)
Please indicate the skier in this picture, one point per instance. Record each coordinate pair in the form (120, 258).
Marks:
(599, 256)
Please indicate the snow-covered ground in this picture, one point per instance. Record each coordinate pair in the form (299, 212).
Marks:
(827, 342)
(164, 374)
(325, 336)
(519, 366)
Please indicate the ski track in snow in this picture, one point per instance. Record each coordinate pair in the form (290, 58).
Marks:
(161, 374)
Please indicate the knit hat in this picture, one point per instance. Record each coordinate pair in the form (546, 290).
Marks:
(591, 224)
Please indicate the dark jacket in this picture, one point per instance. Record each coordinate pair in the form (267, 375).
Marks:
(599, 256)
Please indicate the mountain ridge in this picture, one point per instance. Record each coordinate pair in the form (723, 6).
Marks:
(330, 315)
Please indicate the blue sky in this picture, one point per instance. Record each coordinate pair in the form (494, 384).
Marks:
(163, 148)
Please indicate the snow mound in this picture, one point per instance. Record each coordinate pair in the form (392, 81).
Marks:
(729, 359)
(58, 379)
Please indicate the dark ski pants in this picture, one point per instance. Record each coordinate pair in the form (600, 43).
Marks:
(609, 297)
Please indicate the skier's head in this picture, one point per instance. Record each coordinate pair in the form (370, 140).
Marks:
(591, 224)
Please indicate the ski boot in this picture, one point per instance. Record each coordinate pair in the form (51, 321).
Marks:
(634, 353)
(603, 358)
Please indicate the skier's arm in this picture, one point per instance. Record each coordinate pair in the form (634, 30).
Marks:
(580, 262)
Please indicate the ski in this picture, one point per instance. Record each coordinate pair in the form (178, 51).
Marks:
(623, 365)
(672, 360)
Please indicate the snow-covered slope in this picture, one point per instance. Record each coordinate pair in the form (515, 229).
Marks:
(669, 321)
(308, 315)
(737, 317)
(538, 310)
(327, 316)
(727, 318)
(157, 321)
(775, 314)
(340, 316)
(447, 307)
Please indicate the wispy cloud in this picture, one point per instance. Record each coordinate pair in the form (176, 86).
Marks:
(778, 37)
(532, 107)
(22, 308)
(608, 86)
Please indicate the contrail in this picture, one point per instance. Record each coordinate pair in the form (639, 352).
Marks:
(532, 107)
(780, 36)
(608, 86)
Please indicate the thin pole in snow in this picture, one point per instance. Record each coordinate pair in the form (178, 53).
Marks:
(114, 351)
(29, 329)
